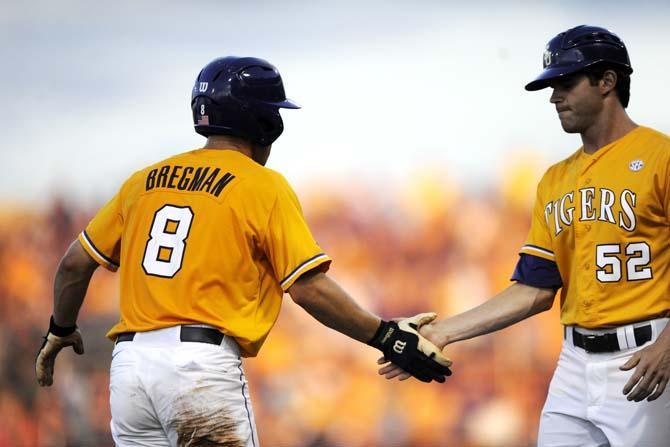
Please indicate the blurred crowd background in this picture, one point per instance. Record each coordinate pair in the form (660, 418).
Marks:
(428, 245)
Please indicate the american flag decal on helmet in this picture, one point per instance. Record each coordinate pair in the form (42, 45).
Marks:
(203, 120)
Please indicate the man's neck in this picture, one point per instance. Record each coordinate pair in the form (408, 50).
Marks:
(611, 125)
(227, 142)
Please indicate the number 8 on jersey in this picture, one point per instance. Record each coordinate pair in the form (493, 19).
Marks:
(165, 248)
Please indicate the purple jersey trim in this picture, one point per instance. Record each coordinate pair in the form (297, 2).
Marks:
(537, 272)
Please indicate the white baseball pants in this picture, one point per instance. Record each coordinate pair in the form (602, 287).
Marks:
(586, 406)
(165, 392)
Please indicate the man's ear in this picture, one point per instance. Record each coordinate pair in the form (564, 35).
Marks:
(608, 82)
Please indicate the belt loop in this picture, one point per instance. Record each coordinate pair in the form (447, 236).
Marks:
(655, 324)
(568, 335)
(622, 338)
(630, 335)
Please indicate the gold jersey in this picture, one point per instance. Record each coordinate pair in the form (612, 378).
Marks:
(604, 219)
(209, 237)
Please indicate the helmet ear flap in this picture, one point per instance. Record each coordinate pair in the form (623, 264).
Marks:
(270, 127)
(204, 112)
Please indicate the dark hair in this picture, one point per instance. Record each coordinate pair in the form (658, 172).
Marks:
(622, 88)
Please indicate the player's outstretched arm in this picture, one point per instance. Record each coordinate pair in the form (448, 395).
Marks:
(514, 304)
(72, 279)
(400, 341)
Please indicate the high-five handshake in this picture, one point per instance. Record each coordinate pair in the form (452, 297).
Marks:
(402, 344)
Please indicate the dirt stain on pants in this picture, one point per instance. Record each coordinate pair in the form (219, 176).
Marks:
(204, 427)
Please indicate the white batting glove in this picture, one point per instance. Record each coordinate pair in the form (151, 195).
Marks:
(56, 339)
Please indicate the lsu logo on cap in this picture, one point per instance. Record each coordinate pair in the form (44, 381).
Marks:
(636, 165)
(546, 57)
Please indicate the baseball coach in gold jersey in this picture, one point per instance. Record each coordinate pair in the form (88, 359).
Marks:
(207, 242)
(600, 231)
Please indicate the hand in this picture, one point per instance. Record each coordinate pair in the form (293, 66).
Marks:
(402, 344)
(652, 371)
(430, 331)
(46, 357)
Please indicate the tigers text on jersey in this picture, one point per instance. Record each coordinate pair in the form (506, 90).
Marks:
(208, 236)
(604, 219)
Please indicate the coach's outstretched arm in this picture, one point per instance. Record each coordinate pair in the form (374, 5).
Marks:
(514, 304)
(400, 342)
(72, 278)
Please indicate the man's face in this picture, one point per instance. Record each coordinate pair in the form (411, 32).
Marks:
(577, 102)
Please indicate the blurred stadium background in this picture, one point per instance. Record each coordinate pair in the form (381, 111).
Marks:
(416, 157)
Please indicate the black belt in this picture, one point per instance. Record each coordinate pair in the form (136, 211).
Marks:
(187, 333)
(608, 342)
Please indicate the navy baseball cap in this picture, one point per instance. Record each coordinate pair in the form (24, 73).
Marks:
(578, 48)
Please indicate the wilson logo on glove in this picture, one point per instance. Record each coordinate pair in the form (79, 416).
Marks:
(399, 346)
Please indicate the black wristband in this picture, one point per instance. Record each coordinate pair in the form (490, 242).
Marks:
(60, 331)
(377, 340)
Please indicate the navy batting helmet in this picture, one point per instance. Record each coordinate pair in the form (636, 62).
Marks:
(578, 48)
(240, 96)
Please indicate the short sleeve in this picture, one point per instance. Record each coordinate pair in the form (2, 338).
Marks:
(538, 243)
(537, 272)
(289, 244)
(102, 237)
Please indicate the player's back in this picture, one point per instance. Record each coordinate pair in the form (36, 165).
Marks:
(192, 233)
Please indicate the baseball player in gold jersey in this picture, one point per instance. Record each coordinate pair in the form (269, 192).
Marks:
(600, 230)
(207, 242)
